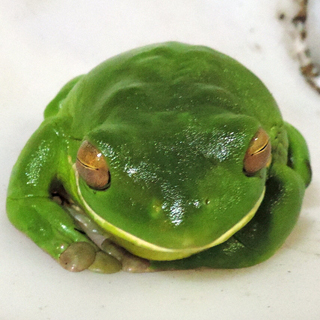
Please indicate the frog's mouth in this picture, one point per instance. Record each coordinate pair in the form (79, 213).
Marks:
(147, 250)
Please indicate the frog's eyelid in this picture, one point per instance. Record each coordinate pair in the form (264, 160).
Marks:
(107, 186)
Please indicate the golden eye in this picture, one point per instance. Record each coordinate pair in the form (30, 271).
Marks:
(92, 167)
(258, 154)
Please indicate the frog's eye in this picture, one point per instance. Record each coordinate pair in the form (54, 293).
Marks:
(258, 154)
(92, 167)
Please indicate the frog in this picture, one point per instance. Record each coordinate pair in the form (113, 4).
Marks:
(170, 156)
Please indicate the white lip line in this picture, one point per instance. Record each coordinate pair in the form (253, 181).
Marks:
(147, 245)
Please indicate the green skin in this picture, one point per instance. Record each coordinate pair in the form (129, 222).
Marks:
(174, 122)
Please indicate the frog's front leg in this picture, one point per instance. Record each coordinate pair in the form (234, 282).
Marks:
(298, 154)
(32, 209)
(262, 236)
(103, 240)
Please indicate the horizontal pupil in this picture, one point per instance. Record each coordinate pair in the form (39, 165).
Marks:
(87, 166)
(260, 150)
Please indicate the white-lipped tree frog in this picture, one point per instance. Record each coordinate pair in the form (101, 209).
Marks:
(165, 157)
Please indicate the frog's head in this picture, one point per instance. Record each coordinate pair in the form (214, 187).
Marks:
(170, 184)
(175, 151)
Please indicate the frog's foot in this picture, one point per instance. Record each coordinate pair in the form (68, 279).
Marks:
(130, 262)
(105, 257)
(82, 255)
(77, 257)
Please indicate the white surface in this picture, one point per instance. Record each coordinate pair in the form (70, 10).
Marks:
(43, 45)
(313, 25)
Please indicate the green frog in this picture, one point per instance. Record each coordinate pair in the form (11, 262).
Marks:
(165, 157)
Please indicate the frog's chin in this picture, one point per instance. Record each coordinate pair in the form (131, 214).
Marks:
(147, 250)
(151, 251)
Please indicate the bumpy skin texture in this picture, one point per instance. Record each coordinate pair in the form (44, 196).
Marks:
(173, 122)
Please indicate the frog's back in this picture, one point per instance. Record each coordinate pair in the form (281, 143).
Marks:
(169, 77)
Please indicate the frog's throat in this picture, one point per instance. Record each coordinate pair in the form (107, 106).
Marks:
(151, 251)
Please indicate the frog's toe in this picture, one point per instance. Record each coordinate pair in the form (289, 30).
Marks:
(131, 263)
(78, 256)
(104, 263)
(128, 262)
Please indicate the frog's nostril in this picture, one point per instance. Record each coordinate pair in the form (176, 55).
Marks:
(207, 201)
